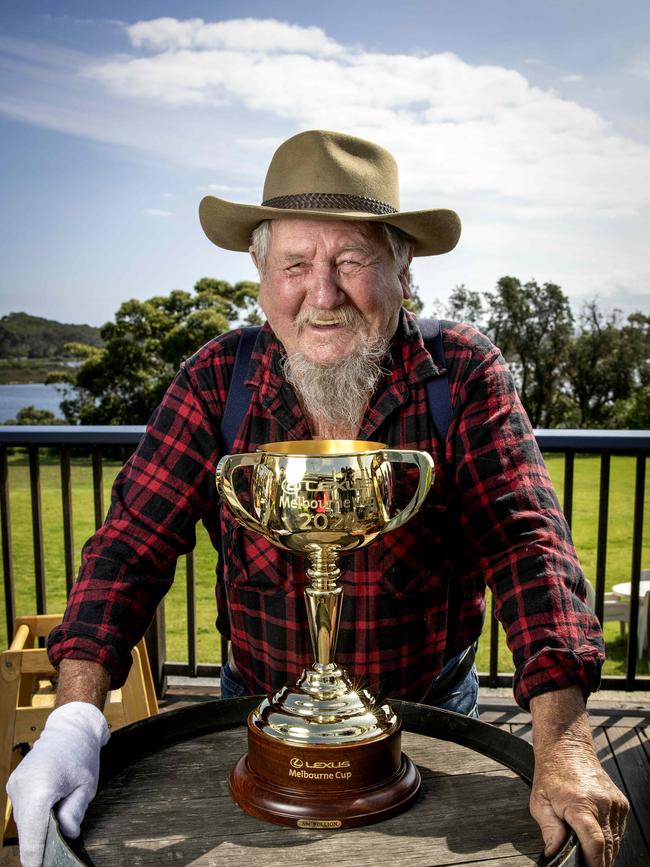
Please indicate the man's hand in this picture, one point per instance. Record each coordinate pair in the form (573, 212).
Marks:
(63, 765)
(61, 768)
(569, 783)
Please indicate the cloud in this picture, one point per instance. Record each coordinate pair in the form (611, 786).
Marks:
(157, 212)
(85, 22)
(264, 35)
(455, 127)
(222, 95)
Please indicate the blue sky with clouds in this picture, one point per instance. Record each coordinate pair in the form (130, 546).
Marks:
(530, 119)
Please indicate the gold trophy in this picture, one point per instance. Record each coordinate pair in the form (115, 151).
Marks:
(322, 754)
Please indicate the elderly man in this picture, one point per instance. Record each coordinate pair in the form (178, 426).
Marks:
(339, 357)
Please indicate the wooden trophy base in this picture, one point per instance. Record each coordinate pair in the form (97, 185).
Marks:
(324, 786)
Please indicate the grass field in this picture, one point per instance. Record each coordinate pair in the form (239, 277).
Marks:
(584, 531)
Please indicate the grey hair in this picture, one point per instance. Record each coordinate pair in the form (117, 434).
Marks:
(260, 243)
(399, 243)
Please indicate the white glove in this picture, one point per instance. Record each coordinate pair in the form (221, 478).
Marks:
(62, 767)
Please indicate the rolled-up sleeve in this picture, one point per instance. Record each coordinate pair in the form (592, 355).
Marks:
(163, 490)
(511, 518)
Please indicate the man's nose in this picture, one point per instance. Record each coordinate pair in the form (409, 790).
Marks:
(323, 288)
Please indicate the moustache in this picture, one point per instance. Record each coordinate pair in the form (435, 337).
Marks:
(347, 316)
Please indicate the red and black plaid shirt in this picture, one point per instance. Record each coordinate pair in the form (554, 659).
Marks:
(412, 599)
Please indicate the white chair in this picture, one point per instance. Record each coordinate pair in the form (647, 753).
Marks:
(643, 633)
(614, 608)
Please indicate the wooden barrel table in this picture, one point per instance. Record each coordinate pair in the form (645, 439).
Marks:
(164, 799)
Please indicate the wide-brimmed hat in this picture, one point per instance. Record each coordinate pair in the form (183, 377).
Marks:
(319, 175)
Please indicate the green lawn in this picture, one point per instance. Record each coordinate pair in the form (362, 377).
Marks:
(584, 530)
(585, 519)
(83, 513)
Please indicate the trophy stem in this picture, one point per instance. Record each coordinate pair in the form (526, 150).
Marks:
(323, 571)
(323, 601)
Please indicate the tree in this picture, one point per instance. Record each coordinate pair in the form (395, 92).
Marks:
(29, 415)
(600, 366)
(532, 325)
(124, 381)
(466, 305)
(598, 376)
(634, 411)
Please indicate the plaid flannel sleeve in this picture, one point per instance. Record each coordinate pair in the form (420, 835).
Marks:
(128, 565)
(511, 517)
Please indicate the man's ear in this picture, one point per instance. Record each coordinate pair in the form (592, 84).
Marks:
(404, 275)
(254, 258)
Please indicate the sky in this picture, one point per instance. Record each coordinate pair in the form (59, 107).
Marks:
(530, 118)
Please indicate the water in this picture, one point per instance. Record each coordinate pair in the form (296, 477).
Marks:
(15, 397)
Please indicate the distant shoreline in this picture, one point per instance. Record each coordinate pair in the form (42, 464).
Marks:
(30, 371)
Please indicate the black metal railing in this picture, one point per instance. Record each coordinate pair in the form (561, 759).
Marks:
(100, 440)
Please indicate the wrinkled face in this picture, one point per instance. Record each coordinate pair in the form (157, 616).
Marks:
(329, 285)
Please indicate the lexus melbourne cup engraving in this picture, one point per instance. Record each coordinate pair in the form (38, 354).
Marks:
(321, 751)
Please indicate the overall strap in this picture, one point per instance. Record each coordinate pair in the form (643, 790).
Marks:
(440, 409)
(239, 397)
(438, 394)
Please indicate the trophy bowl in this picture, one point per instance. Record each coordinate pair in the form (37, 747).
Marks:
(322, 754)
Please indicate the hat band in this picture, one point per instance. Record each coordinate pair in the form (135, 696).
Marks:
(344, 201)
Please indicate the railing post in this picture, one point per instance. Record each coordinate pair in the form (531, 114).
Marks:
(637, 541)
(98, 487)
(7, 559)
(603, 517)
(190, 596)
(37, 529)
(66, 503)
(567, 507)
(493, 679)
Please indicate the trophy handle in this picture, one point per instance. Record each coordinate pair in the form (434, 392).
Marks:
(424, 462)
(223, 477)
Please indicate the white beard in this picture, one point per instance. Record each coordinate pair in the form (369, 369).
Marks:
(335, 395)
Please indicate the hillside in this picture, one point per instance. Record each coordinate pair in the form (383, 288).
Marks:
(25, 336)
